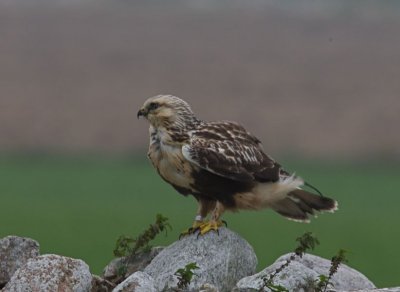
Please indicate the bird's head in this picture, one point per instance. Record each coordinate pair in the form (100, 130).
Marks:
(167, 111)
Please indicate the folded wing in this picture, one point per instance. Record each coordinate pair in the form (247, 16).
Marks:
(228, 150)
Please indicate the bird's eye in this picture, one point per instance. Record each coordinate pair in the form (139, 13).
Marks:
(153, 106)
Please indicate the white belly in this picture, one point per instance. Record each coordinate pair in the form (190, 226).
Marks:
(171, 165)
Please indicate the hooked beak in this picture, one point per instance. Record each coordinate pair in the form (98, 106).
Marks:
(141, 112)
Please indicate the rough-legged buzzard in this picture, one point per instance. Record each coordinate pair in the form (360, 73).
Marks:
(222, 165)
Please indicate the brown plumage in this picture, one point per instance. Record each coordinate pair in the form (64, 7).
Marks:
(222, 165)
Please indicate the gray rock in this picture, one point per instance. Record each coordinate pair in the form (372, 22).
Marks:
(51, 273)
(130, 265)
(301, 272)
(222, 260)
(393, 289)
(101, 285)
(14, 253)
(137, 282)
(208, 288)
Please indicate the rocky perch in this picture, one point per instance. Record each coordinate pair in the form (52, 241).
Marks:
(226, 262)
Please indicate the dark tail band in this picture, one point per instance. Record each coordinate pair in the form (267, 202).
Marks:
(299, 204)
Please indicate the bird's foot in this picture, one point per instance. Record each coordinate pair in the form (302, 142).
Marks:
(210, 226)
(195, 227)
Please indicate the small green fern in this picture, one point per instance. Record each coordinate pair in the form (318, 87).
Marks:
(185, 275)
(305, 242)
(324, 281)
(129, 246)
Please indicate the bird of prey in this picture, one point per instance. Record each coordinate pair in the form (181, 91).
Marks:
(222, 165)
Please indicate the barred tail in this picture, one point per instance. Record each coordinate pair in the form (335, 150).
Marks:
(298, 204)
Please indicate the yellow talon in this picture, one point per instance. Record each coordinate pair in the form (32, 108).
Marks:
(210, 226)
(203, 227)
(196, 226)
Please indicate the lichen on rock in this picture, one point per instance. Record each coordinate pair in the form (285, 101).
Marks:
(15, 251)
(51, 273)
(222, 259)
(302, 272)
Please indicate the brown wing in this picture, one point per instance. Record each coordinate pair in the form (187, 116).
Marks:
(228, 150)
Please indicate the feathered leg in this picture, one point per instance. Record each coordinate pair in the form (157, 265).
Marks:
(215, 221)
(205, 207)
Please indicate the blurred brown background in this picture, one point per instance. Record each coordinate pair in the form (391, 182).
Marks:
(317, 81)
(310, 78)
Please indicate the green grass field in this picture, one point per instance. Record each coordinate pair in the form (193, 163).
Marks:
(79, 206)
